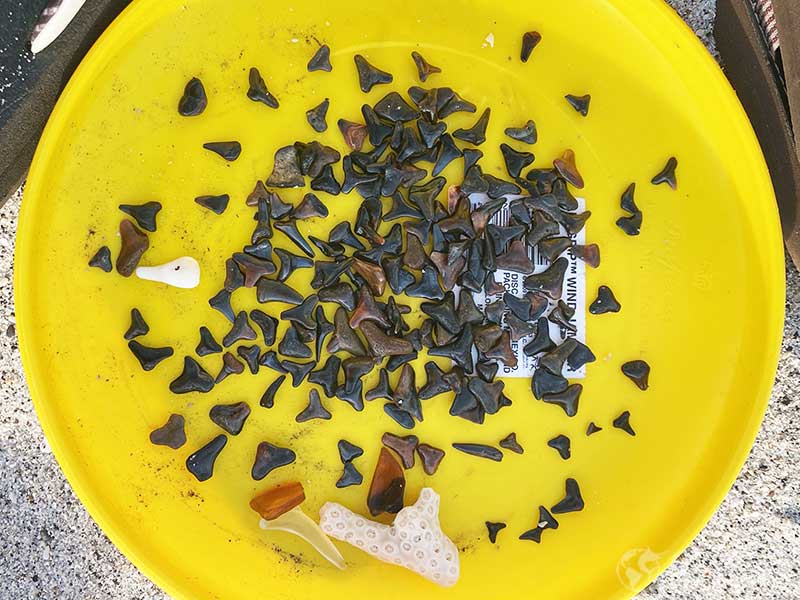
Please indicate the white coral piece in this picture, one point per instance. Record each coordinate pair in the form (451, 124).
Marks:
(414, 541)
(182, 272)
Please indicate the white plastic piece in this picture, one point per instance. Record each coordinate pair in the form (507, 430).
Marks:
(299, 523)
(414, 541)
(183, 272)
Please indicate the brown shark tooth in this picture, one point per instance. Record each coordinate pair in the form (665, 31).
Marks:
(230, 366)
(415, 256)
(194, 100)
(638, 371)
(373, 274)
(286, 170)
(605, 302)
(580, 356)
(303, 313)
(102, 259)
(138, 326)
(367, 310)
(201, 462)
(503, 351)
(515, 258)
(393, 108)
(526, 134)
(230, 417)
(321, 61)
(550, 281)
(381, 344)
(292, 346)
(382, 389)
(428, 286)
(144, 214)
(476, 134)
(430, 458)
(623, 422)
(193, 378)
(340, 293)
(443, 312)
(251, 356)
(561, 316)
(435, 383)
(554, 360)
(488, 394)
(253, 268)
(572, 502)
(352, 394)
(297, 370)
(258, 91)
(459, 350)
(356, 367)
(554, 247)
(207, 345)
(149, 357)
(134, 244)
(530, 39)
(519, 328)
(268, 458)
(172, 434)
(259, 193)
(515, 160)
(403, 446)
(424, 68)
(486, 336)
(510, 443)
(667, 174)
(316, 116)
(268, 398)
(590, 254)
(344, 338)
(268, 290)
(240, 330)
(369, 75)
(566, 167)
(353, 133)
(567, 399)
(405, 393)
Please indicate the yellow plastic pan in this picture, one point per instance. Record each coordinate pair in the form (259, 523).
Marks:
(702, 290)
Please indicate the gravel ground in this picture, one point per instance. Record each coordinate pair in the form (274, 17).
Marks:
(51, 549)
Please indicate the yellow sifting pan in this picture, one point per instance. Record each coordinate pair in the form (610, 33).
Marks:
(701, 288)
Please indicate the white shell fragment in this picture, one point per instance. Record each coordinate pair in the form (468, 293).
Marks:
(183, 272)
(297, 522)
(414, 541)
